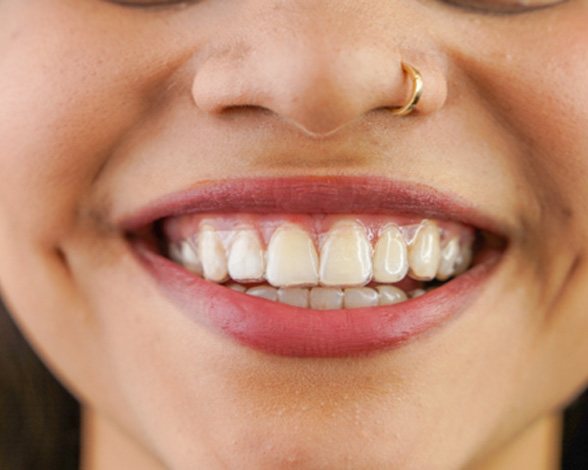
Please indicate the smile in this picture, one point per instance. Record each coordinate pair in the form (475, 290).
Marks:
(316, 267)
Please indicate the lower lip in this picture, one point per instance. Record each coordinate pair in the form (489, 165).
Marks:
(284, 330)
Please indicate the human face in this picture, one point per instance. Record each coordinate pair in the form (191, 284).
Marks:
(109, 109)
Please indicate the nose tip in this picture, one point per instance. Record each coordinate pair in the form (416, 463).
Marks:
(317, 89)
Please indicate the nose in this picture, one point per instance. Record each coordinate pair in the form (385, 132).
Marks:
(318, 74)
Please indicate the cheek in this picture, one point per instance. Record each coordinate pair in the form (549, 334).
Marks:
(66, 101)
(535, 81)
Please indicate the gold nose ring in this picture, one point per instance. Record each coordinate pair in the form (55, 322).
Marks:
(417, 91)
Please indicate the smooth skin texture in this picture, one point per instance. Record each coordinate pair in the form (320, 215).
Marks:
(106, 108)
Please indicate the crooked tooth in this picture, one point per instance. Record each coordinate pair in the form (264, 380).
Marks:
(449, 258)
(296, 296)
(390, 256)
(246, 257)
(185, 253)
(345, 258)
(292, 259)
(212, 255)
(390, 295)
(237, 287)
(265, 292)
(424, 252)
(356, 297)
(326, 298)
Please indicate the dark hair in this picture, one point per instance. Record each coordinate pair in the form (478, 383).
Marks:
(40, 420)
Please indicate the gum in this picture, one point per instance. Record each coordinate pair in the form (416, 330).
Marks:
(316, 225)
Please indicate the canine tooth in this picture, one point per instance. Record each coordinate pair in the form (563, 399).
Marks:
(360, 297)
(326, 298)
(391, 295)
(390, 256)
(424, 252)
(212, 255)
(296, 296)
(265, 292)
(292, 259)
(246, 257)
(449, 258)
(345, 258)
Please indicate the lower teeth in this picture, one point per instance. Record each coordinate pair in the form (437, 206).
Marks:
(330, 298)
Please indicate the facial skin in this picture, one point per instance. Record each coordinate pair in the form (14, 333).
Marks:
(106, 108)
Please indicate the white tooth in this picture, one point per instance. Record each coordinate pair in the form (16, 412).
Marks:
(296, 296)
(246, 257)
(326, 298)
(346, 256)
(413, 294)
(391, 295)
(265, 292)
(424, 252)
(356, 297)
(464, 258)
(212, 255)
(237, 287)
(390, 256)
(449, 256)
(175, 253)
(291, 258)
(190, 259)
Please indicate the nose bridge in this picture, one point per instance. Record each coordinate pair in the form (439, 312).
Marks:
(316, 65)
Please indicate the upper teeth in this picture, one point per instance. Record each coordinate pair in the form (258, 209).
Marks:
(346, 257)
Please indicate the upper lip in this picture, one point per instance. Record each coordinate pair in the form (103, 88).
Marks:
(320, 194)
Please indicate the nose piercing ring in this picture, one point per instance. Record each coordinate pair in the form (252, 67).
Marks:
(417, 91)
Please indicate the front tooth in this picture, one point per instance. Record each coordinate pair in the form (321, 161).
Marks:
(326, 298)
(356, 297)
(246, 257)
(291, 258)
(346, 256)
(296, 296)
(424, 252)
(265, 292)
(449, 258)
(212, 255)
(390, 295)
(390, 256)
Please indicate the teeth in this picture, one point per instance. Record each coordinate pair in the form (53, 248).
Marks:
(326, 298)
(360, 297)
(413, 294)
(449, 258)
(464, 259)
(390, 256)
(346, 256)
(391, 295)
(424, 253)
(265, 292)
(291, 258)
(212, 255)
(291, 271)
(237, 287)
(295, 296)
(246, 257)
(185, 254)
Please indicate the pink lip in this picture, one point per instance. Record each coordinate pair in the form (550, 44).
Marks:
(289, 331)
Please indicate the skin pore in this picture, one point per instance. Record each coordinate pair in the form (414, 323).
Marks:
(107, 107)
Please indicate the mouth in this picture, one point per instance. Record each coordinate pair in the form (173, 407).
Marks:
(316, 267)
